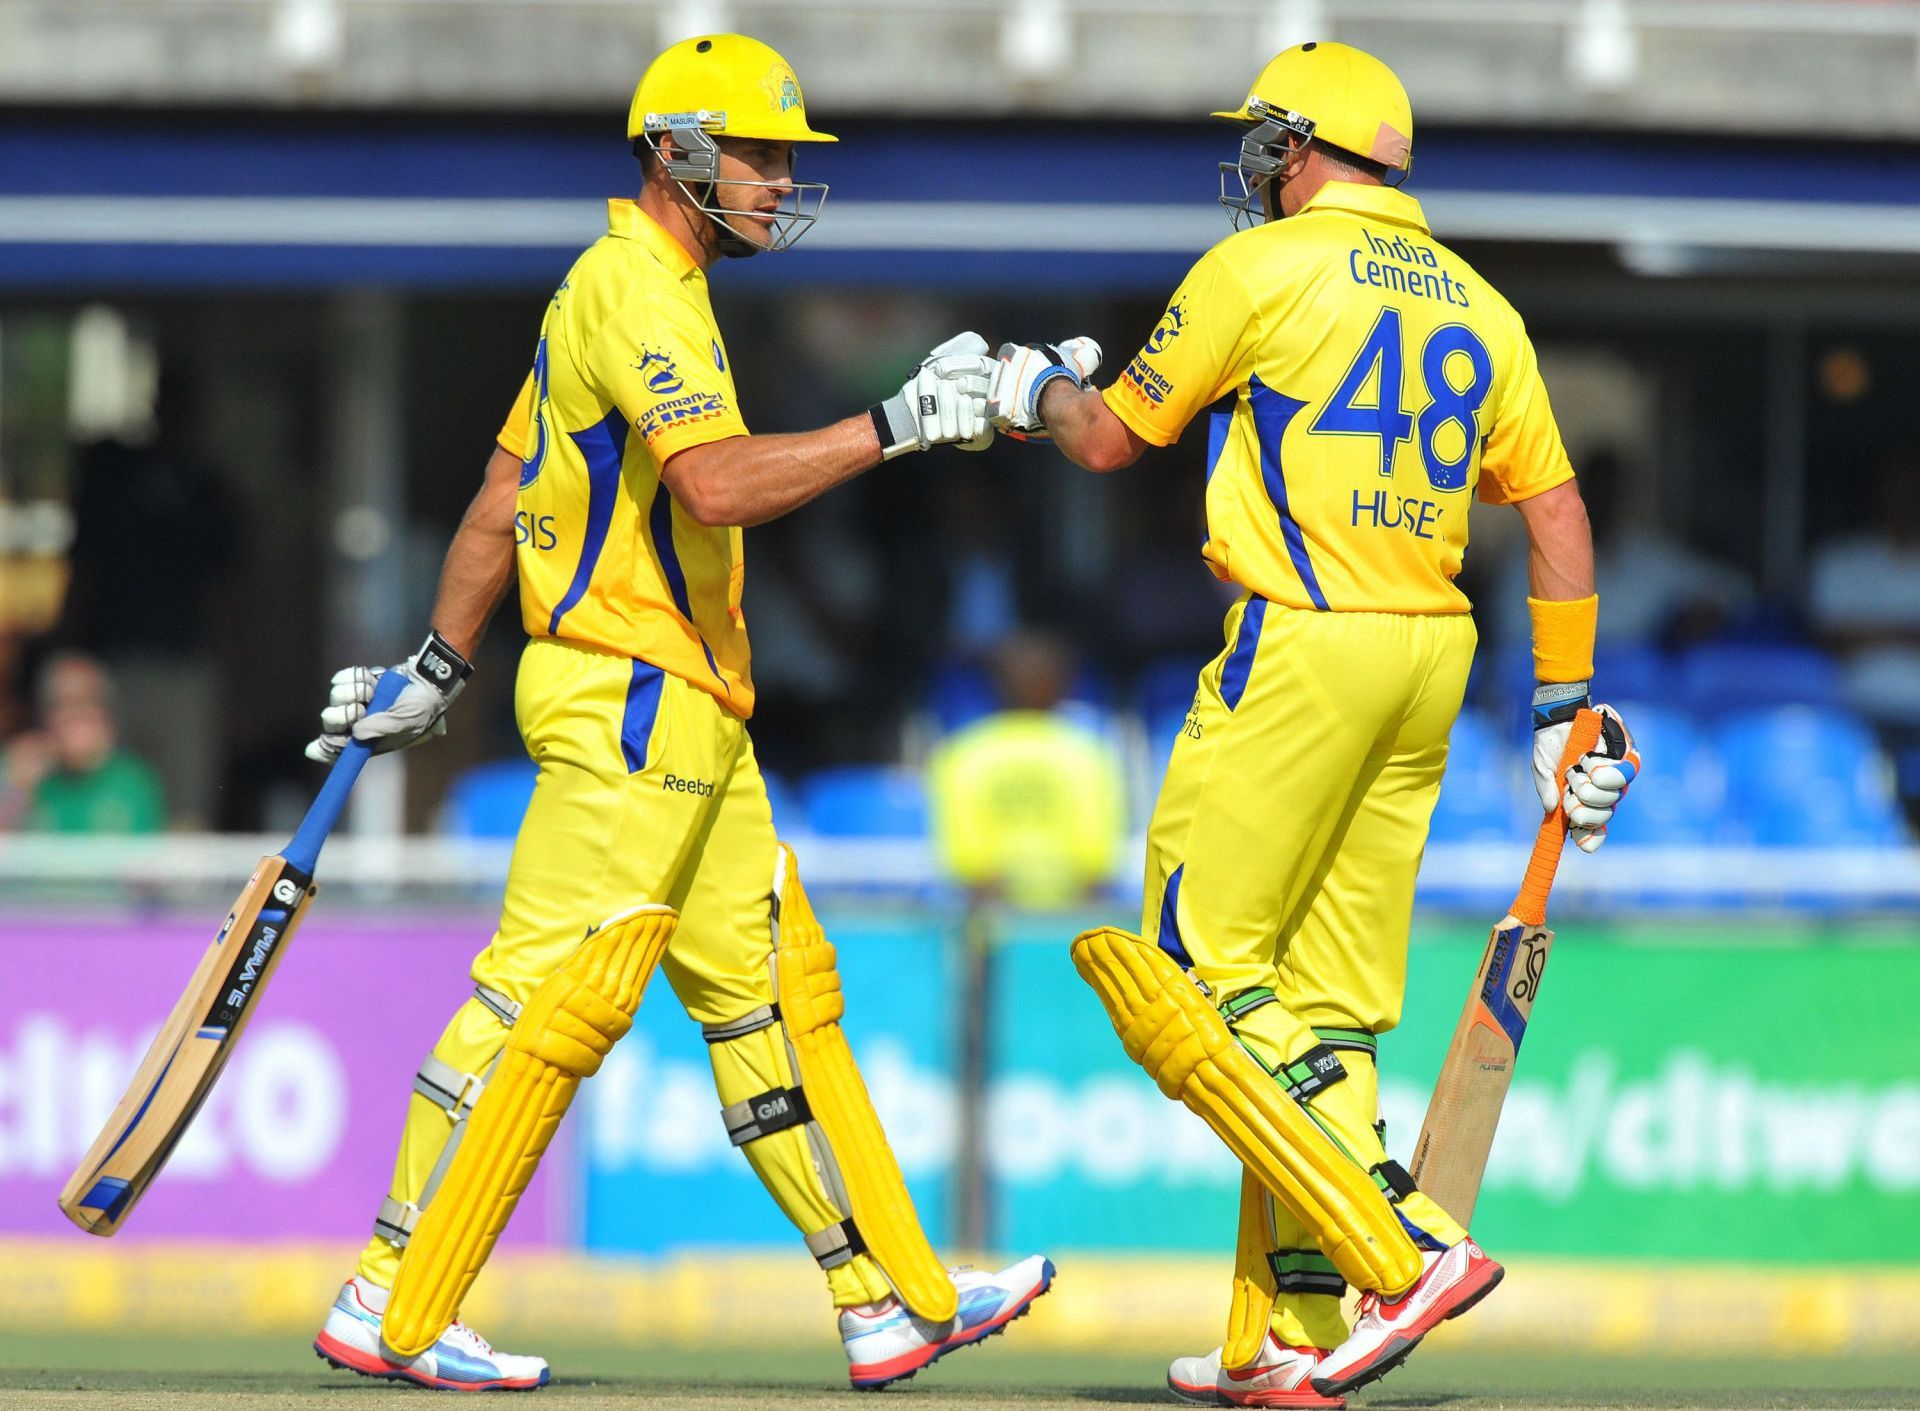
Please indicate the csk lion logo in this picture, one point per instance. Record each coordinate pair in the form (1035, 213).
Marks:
(782, 88)
(663, 378)
(1169, 327)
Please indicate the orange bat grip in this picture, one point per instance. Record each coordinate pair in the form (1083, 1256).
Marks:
(1530, 906)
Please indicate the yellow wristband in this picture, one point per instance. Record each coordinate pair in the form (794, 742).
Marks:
(1563, 638)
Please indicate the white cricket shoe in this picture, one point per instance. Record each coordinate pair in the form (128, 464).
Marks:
(887, 1343)
(461, 1360)
(1279, 1375)
(1388, 1329)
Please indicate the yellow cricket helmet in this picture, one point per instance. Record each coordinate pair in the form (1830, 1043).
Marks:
(727, 84)
(1341, 95)
(1331, 93)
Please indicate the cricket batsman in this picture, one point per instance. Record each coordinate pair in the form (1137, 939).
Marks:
(617, 494)
(1379, 383)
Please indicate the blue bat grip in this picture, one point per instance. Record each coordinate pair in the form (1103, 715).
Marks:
(304, 851)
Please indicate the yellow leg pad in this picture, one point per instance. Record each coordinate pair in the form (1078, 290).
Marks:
(567, 1028)
(1170, 1029)
(807, 986)
(1254, 1289)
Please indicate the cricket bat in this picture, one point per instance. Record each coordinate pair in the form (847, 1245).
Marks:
(193, 1046)
(1451, 1155)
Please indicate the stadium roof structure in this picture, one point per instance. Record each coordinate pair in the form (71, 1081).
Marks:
(298, 201)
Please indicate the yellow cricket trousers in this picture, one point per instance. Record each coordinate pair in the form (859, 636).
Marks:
(648, 791)
(1281, 861)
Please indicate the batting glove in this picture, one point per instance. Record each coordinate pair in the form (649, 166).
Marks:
(435, 675)
(943, 403)
(1598, 780)
(1022, 374)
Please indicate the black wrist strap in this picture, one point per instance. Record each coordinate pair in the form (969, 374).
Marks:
(439, 664)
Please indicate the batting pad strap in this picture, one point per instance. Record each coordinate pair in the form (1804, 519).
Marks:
(1393, 1179)
(1305, 1271)
(765, 1017)
(772, 1111)
(850, 1140)
(1244, 1003)
(396, 1220)
(835, 1245)
(1358, 1040)
(1318, 1068)
(504, 1008)
(447, 1088)
(1169, 1028)
(569, 1026)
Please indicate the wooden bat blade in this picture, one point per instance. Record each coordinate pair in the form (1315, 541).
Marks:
(1451, 1155)
(190, 1050)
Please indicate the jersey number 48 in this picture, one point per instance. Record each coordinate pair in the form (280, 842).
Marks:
(1450, 351)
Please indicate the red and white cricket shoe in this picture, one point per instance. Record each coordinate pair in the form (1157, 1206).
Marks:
(1388, 1329)
(460, 1360)
(887, 1342)
(1279, 1375)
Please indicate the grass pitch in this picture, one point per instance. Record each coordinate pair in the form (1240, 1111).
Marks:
(149, 1372)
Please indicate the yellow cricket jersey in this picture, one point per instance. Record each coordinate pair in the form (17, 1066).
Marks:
(1379, 380)
(630, 370)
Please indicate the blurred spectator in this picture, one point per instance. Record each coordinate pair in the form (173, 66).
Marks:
(1653, 587)
(70, 775)
(156, 529)
(978, 569)
(812, 595)
(1865, 598)
(1160, 598)
(1026, 803)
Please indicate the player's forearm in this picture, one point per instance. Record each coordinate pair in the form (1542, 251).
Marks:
(1559, 545)
(1085, 429)
(479, 565)
(748, 480)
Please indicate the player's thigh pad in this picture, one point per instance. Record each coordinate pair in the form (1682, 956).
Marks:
(1169, 1027)
(563, 1034)
(830, 1100)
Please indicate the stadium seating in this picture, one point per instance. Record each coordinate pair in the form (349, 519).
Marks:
(1827, 783)
(489, 800)
(1723, 678)
(1677, 801)
(865, 801)
(1484, 798)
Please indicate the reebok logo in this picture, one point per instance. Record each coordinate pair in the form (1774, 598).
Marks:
(674, 784)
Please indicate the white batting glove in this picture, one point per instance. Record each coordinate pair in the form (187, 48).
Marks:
(434, 675)
(1598, 780)
(1023, 372)
(943, 403)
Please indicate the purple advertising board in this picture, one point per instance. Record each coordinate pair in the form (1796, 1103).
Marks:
(297, 1140)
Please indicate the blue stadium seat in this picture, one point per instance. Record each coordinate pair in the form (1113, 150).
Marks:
(1481, 794)
(489, 800)
(1677, 801)
(1827, 783)
(788, 815)
(1722, 678)
(865, 801)
(959, 694)
(1622, 671)
(1166, 686)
